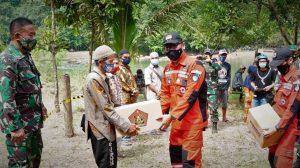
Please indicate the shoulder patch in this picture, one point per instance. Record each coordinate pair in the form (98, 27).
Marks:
(196, 75)
(196, 71)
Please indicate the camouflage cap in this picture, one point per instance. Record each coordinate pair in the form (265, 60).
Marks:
(293, 47)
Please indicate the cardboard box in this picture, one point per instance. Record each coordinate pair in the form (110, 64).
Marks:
(260, 118)
(143, 114)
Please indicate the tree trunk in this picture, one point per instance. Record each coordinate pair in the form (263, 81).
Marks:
(68, 117)
(296, 32)
(53, 53)
(93, 30)
(279, 23)
(219, 40)
(258, 11)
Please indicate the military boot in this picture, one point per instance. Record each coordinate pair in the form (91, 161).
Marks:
(214, 128)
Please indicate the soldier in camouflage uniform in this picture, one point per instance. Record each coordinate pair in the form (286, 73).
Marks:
(211, 67)
(130, 91)
(21, 108)
(296, 59)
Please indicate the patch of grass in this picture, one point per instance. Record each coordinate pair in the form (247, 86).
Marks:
(43, 61)
(235, 106)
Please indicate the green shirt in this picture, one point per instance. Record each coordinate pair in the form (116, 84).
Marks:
(20, 92)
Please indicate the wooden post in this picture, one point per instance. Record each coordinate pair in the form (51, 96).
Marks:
(67, 102)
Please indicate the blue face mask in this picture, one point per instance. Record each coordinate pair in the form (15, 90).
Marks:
(126, 61)
(222, 59)
(108, 67)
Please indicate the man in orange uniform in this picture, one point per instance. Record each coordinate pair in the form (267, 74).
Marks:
(287, 102)
(183, 96)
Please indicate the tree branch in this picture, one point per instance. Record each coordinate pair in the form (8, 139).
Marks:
(279, 23)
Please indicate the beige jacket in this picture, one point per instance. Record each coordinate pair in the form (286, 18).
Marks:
(99, 109)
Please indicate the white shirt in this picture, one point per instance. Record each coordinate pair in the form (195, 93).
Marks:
(152, 78)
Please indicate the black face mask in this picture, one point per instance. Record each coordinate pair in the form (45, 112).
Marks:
(283, 69)
(174, 54)
(27, 44)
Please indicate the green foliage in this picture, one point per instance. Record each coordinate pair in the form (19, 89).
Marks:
(140, 25)
(124, 27)
(287, 15)
(93, 14)
(11, 9)
(156, 18)
(2, 46)
(157, 15)
(67, 37)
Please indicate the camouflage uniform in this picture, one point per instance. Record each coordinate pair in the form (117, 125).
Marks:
(296, 53)
(212, 80)
(129, 86)
(21, 106)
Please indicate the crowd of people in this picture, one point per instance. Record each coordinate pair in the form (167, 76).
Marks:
(189, 90)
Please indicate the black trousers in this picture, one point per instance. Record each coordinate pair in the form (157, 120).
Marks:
(105, 152)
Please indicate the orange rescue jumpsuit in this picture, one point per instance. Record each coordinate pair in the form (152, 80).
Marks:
(183, 96)
(286, 100)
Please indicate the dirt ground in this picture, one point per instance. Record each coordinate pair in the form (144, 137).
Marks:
(233, 146)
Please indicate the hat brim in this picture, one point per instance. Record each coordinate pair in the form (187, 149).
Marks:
(172, 42)
(276, 63)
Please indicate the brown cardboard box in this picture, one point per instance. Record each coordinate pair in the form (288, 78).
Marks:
(143, 114)
(260, 118)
